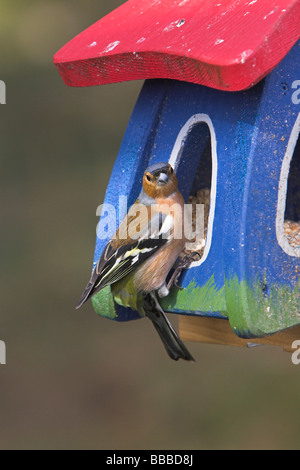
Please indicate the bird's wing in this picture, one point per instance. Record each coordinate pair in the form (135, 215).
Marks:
(121, 257)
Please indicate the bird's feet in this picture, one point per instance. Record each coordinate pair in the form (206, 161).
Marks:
(183, 264)
(163, 291)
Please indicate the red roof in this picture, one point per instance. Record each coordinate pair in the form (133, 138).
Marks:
(224, 44)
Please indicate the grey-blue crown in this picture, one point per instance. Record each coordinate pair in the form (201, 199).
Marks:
(157, 168)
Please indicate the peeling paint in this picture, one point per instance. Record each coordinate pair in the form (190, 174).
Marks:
(111, 46)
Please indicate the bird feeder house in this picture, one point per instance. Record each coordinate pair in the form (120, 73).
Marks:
(221, 103)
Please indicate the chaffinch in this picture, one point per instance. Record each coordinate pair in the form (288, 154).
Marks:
(140, 255)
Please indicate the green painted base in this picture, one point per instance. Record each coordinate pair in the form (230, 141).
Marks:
(193, 299)
(104, 305)
(251, 311)
(254, 313)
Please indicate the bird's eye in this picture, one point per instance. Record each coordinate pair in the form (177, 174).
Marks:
(148, 178)
(171, 169)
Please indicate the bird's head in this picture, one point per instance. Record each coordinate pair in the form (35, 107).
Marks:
(159, 180)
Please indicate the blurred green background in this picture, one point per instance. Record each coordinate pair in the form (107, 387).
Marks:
(73, 379)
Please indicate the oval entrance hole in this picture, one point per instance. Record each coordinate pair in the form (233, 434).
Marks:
(196, 147)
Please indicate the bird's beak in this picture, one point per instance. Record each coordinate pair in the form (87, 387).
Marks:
(163, 178)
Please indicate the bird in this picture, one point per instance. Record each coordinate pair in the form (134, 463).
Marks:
(138, 258)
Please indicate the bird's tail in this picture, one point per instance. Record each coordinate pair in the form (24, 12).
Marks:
(171, 341)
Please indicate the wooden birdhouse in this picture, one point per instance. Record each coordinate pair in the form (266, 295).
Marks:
(221, 103)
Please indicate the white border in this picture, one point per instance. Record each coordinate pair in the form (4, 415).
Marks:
(176, 153)
(282, 192)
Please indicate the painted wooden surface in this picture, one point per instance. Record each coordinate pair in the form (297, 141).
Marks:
(217, 331)
(227, 44)
(245, 275)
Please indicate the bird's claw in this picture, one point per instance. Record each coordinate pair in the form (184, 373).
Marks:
(183, 264)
